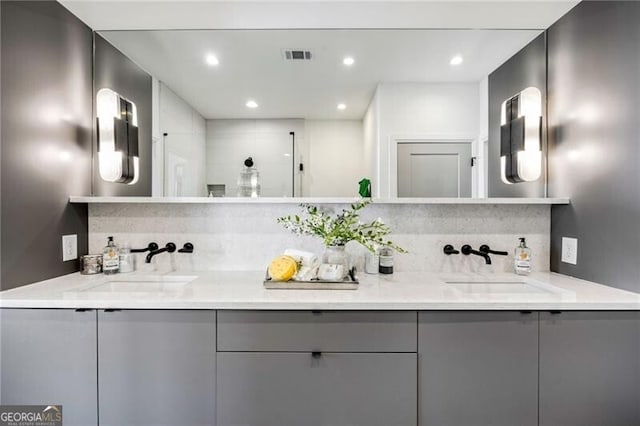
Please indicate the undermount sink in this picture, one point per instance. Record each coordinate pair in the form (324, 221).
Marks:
(498, 286)
(142, 285)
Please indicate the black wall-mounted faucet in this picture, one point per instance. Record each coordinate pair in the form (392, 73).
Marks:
(449, 250)
(486, 249)
(150, 247)
(467, 250)
(169, 248)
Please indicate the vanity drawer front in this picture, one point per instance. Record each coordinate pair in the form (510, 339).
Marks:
(325, 331)
(283, 389)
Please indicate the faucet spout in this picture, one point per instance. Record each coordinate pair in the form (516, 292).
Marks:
(169, 248)
(149, 247)
(467, 250)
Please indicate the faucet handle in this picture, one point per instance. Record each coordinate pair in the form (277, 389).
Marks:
(448, 250)
(466, 249)
(187, 248)
(171, 247)
(486, 249)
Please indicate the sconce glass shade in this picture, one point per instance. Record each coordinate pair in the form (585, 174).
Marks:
(117, 124)
(521, 137)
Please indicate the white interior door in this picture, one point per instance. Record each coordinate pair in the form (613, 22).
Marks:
(431, 169)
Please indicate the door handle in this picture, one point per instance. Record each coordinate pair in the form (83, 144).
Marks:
(316, 354)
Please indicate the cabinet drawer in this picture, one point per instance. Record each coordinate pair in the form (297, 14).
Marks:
(325, 331)
(276, 389)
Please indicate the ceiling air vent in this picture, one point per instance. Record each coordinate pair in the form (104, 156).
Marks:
(296, 55)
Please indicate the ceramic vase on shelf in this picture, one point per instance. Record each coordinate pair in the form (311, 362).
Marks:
(335, 264)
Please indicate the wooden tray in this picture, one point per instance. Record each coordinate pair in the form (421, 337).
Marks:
(349, 283)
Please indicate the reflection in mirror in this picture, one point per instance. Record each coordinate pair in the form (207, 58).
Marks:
(319, 110)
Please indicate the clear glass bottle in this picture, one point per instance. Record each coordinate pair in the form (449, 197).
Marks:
(522, 258)
(110, 258)
(249, 180)
(126, 259)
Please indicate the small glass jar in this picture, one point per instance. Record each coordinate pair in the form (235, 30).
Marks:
(372, 262)
(126, 259)
(337, 258)
(91, 264)
(386, 261)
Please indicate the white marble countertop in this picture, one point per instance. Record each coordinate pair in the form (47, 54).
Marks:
(244, 290)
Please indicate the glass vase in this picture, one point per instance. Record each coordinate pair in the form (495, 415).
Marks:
(339, 261)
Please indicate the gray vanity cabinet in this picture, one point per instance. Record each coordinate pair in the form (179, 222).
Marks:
(48, 357)
(478, 368)
(156, 367)
(590, 368)
(316, 368)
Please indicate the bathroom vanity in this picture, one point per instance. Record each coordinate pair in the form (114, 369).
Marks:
(408, 349)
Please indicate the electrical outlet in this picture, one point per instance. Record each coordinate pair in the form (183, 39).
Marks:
(570, 250)
(69, 247)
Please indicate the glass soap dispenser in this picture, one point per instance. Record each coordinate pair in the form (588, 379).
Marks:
(522, 258)
(110, 258)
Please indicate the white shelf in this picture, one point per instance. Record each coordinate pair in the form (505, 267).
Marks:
(298, 200)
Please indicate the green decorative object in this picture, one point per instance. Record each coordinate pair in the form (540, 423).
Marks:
(339, 229)
(365, 188)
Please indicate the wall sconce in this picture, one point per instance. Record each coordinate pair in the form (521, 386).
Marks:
(117, 128)
(521, 137)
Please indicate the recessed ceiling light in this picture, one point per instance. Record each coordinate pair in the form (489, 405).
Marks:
(456, 60)
(348, 61)
(212, 60)
(342, 107)
(251, 104)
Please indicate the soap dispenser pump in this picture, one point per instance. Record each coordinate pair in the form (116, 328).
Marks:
(522, 258)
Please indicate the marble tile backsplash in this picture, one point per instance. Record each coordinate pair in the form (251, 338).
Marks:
(235, 237)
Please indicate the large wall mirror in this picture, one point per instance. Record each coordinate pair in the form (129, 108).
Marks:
(313, 113)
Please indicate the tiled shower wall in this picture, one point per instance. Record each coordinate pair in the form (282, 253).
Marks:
(246, 236)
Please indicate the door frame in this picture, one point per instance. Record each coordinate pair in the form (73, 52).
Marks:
(431, 138)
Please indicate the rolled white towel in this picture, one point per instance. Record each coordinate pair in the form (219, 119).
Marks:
(307, 258)
(306, 274)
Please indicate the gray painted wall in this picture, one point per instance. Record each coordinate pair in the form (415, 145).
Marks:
(114, 70)
(594, 140)
(46, 138)
(524, 69)
(0, 152)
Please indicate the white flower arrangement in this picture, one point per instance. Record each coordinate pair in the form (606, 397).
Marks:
(338, 230)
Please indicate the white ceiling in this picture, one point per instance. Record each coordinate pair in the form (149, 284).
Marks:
(252, 66)
(203, 14)
(251, 63)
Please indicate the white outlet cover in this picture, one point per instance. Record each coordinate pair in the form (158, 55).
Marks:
(570, 250)
(69, 247)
